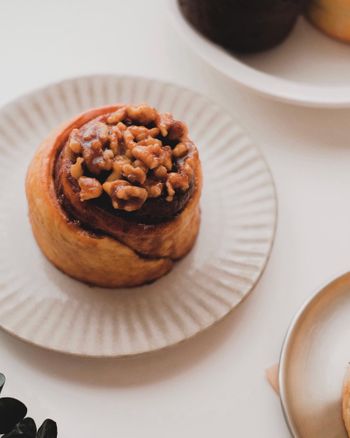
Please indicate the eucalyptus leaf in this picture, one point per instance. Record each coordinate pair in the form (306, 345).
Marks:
(48, 429)
(12, 411)
(24, 429)
(2, 381)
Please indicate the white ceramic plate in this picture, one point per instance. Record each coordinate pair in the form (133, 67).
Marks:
(307, 69)
(314, 359)
(41, 305)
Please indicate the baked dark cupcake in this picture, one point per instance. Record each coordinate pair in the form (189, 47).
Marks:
(243, 25)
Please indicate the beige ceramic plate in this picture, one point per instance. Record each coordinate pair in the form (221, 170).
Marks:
(314, 360)
(43, 306)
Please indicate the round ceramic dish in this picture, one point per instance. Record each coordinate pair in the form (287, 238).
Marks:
(314, 359)
(307, 69)
(43, 306)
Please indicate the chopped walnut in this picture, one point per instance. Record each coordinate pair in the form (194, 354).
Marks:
(118, 165)
(74, 141)
(174, 129)
(144, 114)
(108, 154)
(96, 130)
(134, 174)
(121, 126)
(135, 154)
(188, 170)
(177, 130)
(150, 141)
(76, 169)
(124, 195)
(160, 172)
(153, 132)
(180, 150)
(163, 122)
(90, 188)
(114, 143)
(116, 138)
(141, 165)
(117, 116)
(154, 188)
(148, 155)
(128, 139)
(141, 133)
(166, 158)
(118, 130)
(96, 161)
(176, 181)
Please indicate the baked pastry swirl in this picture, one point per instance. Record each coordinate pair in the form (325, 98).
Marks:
(346, 401)
(114, 195)
(330, 16)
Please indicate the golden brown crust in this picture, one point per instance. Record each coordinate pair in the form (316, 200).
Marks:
(140, 254)
(332, 17)
(346, 401)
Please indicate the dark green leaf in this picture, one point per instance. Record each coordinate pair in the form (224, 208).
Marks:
(24, 429)
(48, 429)
(12, 411)
(2, 381)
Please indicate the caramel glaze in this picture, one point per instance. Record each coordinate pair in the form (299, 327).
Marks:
(97, 216)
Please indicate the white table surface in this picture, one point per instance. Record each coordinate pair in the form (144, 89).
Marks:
(214, 385)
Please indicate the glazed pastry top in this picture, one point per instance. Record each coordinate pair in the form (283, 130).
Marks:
(134, 162)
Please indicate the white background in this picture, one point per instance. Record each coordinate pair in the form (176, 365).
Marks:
(212, 386)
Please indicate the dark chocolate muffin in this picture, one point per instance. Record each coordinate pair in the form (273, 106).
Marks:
(243, 25)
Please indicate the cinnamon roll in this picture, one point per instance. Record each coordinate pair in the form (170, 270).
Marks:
(114, 194)
(330, 16)
(346, 401)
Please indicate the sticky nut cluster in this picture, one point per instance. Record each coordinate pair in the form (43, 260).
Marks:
(127, 155)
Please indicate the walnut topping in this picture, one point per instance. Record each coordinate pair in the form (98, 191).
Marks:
(174, 129)
(74, 141)
(95, 159)
(128, 139)
(166, 158)
(141, 165)
(180, 150)
(117, 116)
(134, 174)
(143, 114)
(142, 133)
(124, 195)
(90, 188)
(164, 121)
(96, 130)
(108, 154)
(118, 165)
(76, 169)
(177, 130)
(176, 181)
(149, 155)
(154, 188)
(132, 154)
(160, 172)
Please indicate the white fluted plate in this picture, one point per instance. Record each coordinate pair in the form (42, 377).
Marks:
(41, 305)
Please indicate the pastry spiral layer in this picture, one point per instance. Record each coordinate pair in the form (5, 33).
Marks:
(346, 401)
(114, 195)
(331, 16)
